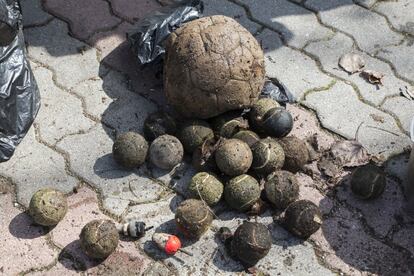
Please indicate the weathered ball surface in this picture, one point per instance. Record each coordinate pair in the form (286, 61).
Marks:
(207, 187)
(268, 156)
(296, 153)
(228, 124)
(193, 218)
(368, 182)
(282, 188)
(48, 207)
(259, 109)
(277, 122)
(166, 152)
(303, 218)
(242, 192)
(193, 133)
(130, 150)
(99, 238)
(157, 124)
(203, 157)
(247, 136)
(233, 157)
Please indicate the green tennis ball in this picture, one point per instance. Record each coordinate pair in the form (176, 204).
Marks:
(233, 157)
(193, 133)
(48, 207)
(99, 238)
(206, 187)
(247, 136)
(368, 182)
(303, 218)
(277, 122)
(242, 192)
(296, 153)
(282, 188)
(228, 124)
(258, 111)
(193, 218)
(268, 156)
(130, 150)
(166, 152)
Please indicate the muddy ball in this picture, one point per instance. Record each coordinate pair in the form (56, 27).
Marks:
(277, 122)
(251, 242)
(99, 238)
(193, 218)
(234, 157)
(206, 187)
(368, 182)
(48, 207)
(296, 153)
(166, 152)
(130, 150)
(303, 218)
(268, 156)
(282, 188)
(193, 133)
(242, 192)
(258, 111)
(157, 124)
(247, 136)
(203, 157)
(228, 124)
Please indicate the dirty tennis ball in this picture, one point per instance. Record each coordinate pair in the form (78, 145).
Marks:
(207, 187)
(296, 153)
(166, 152)
(228, 124)
(277, 122)
(157, 124)
(242, 192)
(193, 218)
(130, 150)
(268, 156)
(99, 238)
(302, 218)
(203, 156)
(247, 136)
(368, 182)
(193, 133)
(282, 188)
(251, 242)
(48, 207)
(259, 109)
(233, 157)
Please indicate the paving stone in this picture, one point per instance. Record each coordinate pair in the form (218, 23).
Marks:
(366, 3)
(402, 108)
(65, 266)
(404, 238)
(308, 191)
(35, 166)
(378, 133)
(85, 18)
(297, 25)
(134, 10)
(286, 65)
(329, 53)
(400, 57)
(57, 107)
(399, 13)
(33, 13)
(21, 241)
(366, 27)
(71, 60)
(157, 269)
(119, 187)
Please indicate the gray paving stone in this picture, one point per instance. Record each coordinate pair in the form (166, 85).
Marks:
(366, 3)
(297, 24)
(296, 70)
(403, 238)
(340, 111)
(402, 108)
(33, 13)
(370, 30)
(401, 57)
(57, 107)
(329, 53)
(399, 13)
(35, 166)
(71, 60)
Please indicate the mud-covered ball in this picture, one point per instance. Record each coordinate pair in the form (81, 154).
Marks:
(99, 238)
(368, 182)
(193, 218)
(296, 153)
(282, 188)
(303, 218)
(228, 124)
(166, 152)
(242, 192)
(203, 157)
(247, 136)
(157, 124)
(268, 156)
(259, 109)
(193, 133)
(277, 122)
(233, 157)
(207, 187)
(130, 150)
(251, 242)
(48, 207)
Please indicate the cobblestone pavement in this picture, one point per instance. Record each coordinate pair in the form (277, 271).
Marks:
(92, 89)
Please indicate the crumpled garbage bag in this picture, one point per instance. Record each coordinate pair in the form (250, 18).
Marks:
(19, 94)
(277, 91)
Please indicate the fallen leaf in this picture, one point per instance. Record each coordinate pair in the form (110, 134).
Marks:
(328, 167)
(349, 153)
(351, 63)
(407, 93)
(373, 77)
(377, 118)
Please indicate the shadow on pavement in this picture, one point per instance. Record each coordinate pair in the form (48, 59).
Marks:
(23, 227)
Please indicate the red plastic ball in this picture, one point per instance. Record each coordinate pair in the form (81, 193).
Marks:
(173, 245)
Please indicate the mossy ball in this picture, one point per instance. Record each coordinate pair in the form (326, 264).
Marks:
(242, 192)
(48, 207)
(233, 157)
(268, 156)
(259, 109)
(228, 124)
(99, 238)
(282, 188)
(166, 152)
(206, 187)
(303, 218)
(203, 157)
(130, 150)
(251, 242)
(193, 133)
(247, 136)
(157, 124)
(193, 218)
(296, 153)
(368, 182)
(277, 122)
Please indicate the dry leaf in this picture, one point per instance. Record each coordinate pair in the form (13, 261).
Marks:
(350, 153)
(328, 167)
(351, 63)
(377, 118)
(373, 77)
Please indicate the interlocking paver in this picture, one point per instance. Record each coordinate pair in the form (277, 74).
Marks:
(33, 14)
(402, 108)
(399, 13)
(366, 3)
(400, 57)
(403, 237)
(134, 10)
(64, 266)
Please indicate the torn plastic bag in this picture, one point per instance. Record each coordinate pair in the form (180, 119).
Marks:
(19, 95)
(148, 35)
(277, 91)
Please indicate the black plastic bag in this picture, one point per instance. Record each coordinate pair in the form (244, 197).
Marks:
(277, 91)
(19, 95)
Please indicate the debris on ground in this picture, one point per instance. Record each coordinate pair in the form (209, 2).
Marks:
(133, 228)
(352, 63)
(169, 244)
(373, 77)
(407, 93)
